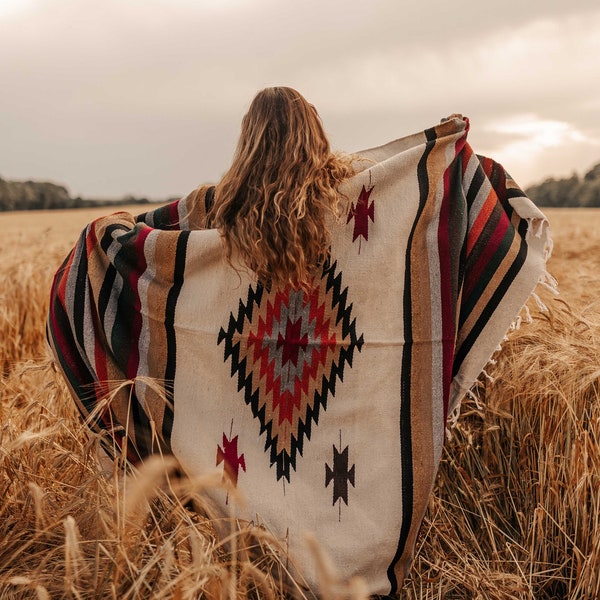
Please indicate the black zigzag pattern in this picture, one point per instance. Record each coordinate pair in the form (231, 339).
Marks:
(283, 460)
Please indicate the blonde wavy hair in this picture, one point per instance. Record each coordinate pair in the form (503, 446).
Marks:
(273, 203)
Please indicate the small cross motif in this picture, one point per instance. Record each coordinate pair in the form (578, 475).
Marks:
(340, 474)
(228, 454)
(361, 212)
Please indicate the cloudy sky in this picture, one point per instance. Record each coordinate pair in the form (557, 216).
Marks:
(112, 97)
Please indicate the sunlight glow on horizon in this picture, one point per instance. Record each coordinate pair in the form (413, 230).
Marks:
(540, 133)
(10, 8)
(530, 142)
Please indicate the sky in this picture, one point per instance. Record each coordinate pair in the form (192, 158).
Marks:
(145, 97)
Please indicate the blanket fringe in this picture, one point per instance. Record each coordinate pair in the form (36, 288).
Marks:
(453, 417)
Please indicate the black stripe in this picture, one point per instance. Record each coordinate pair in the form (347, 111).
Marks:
(142, 430)
(405, 376)
(121, 338)
(108, 238)
(495, 300)
(105, 291)
(476, 183)
(81, 284)
(180, 255)
(111, 273)
(514, 193)
(142, 218)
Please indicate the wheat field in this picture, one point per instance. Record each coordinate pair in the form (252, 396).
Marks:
(515, 512)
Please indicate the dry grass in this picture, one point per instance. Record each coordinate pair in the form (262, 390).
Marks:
(517, 510)
(516, 513)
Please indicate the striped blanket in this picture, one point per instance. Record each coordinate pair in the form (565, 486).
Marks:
(325, 408)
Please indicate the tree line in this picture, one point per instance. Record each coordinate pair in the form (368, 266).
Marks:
(37, 195)
(569, 191)
(40, 195)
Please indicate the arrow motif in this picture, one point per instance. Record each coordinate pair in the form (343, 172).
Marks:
(228, 454)
(340, 474)
(361, 213)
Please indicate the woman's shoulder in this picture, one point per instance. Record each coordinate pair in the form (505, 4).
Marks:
(197, 204)
(186, 213)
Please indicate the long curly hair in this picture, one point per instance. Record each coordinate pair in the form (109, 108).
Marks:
(273, 203)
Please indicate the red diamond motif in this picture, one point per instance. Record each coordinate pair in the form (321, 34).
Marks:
(287, 349)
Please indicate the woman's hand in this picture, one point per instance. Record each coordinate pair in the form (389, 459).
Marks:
(452, 116)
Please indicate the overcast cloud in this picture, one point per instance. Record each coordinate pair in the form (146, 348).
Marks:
(146, 96)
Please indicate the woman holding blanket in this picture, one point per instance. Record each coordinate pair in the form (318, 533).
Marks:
(306, 327)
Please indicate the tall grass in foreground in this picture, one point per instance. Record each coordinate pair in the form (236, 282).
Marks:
(515, 513)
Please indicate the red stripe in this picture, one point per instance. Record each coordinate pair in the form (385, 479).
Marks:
(498, 192)
(491, 248)
(482, 218)
(487, 164)
(57, 333)
(447, 306)
(57, 291)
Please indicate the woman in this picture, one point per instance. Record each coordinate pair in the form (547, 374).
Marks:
(275, 202)
(312, 343)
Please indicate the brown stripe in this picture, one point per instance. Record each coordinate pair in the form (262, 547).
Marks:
(421, 368)
(196, 208)
(158, 291)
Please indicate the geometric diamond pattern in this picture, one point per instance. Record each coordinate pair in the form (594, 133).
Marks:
(287, 349)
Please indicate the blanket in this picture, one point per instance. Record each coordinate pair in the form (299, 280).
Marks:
(325, 407)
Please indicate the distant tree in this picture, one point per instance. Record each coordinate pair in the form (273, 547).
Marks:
(33, 195)
(590, 193)
(555, 192)
(37, 195)
(593, 174)
(570, 191)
